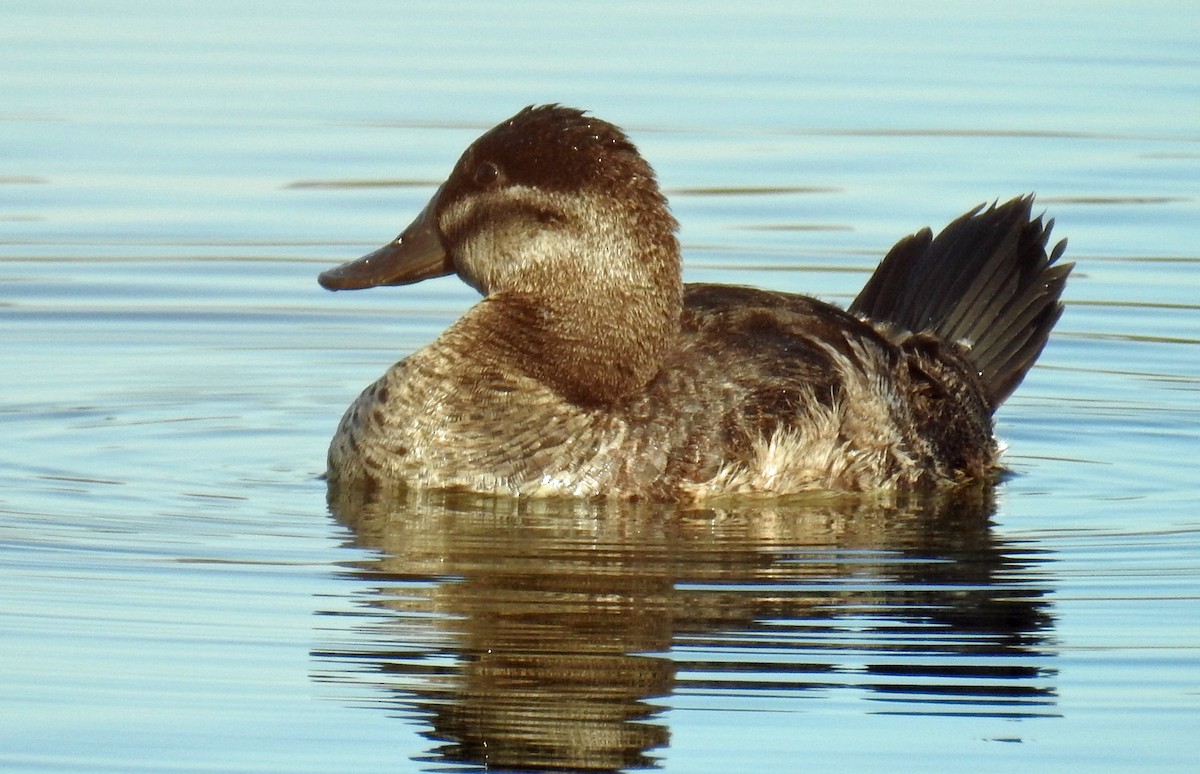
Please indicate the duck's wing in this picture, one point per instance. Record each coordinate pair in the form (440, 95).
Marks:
(790, 393)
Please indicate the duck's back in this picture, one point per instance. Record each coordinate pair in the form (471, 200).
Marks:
(791, 394)
(771, 392)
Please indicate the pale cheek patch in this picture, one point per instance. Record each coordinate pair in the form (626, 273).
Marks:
(521, 228)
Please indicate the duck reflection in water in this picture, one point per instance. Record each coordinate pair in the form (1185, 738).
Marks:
(551, 633)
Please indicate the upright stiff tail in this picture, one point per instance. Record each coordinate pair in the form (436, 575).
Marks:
(985, 282)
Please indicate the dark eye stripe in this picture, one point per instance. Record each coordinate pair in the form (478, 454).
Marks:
(474, 220)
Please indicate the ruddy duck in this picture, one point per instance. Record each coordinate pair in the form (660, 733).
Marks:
(590, 369)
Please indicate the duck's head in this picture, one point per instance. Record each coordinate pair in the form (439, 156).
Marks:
(555, 217)
(548, 199)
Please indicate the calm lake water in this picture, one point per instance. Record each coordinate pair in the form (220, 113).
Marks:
(176, 593)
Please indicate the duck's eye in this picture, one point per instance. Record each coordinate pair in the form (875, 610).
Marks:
(487, 174)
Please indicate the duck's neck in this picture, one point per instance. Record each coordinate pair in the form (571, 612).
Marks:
(595, 335)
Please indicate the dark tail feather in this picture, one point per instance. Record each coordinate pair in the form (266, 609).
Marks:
(985, 282)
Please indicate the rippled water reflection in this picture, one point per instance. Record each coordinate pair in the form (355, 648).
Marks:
(555, 633)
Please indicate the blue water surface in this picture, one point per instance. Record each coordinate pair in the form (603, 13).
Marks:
(178, 594)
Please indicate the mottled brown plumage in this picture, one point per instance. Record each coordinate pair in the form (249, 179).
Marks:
(589, 369)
